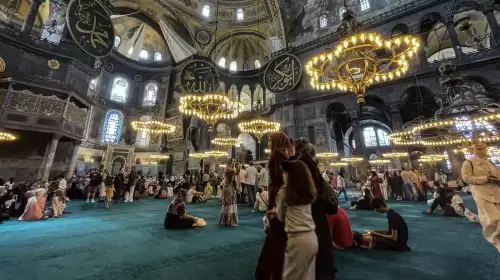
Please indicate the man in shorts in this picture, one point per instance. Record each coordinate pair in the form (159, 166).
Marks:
(95, 182)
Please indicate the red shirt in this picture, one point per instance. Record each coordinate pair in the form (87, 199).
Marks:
(340, 227)
(334, 182)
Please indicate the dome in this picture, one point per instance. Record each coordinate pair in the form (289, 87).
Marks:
(246, 51)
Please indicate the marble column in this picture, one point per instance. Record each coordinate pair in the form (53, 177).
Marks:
(29, 21)
(252, 92)
(42, 165)
(493, 23)
(72, 163)
(454, 39)
(50, 157)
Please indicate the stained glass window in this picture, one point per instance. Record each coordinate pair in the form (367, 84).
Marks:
(233, 66)
(150, 93)
(323, 22)
(112, 127)
(119, 89)
(365, 5)
(239, 14)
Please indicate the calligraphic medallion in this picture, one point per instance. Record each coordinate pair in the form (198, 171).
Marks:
(197, 77)
(90, 26)
(283, 73)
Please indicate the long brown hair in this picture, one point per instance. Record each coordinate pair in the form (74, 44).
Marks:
(300, 188)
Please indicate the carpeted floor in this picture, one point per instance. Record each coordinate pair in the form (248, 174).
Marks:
(129, 242)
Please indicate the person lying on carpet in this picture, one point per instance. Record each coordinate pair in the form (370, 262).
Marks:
(194, 196)
(452, 205)
(395, 238)
(364, 202)
(340, 229)
(177, 218)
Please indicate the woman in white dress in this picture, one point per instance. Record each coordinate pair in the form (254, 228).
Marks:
(102, 187)
(483, 178)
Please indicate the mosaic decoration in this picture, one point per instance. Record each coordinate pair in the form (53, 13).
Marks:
(179, 131)
(203, 37)
(112, 127)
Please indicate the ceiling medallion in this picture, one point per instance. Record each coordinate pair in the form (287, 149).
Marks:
(203, 37)
(361, 59)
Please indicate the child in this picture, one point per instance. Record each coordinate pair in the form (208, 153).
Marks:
(294, 209)
(110, 191)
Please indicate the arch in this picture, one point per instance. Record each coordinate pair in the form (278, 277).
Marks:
(258, 94)
(270, 97)
(233, 66)
(323, 21)
(240, 15)
(222, 62)
(246, 98)
(257, 64)
(248, 143)
(157, 56)
(206, 11)
(119, 89)
(364, 123)
(93, 86)
(222, 86)
(118, 40)
(150, 94)
(111, 131)
(233, 93)
(142, 138)
(143, 55)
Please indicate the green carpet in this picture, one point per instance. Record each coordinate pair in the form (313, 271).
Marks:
(129, 242)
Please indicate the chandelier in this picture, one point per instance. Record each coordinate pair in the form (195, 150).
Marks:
(395, 155)
(5, 136)
(225, 141)
(197, 155)
(360, 59)
(214, 153)
(379, 161)
(155, 124)
(339, 164)
(259, 126)
(210, 107)
(326, 155)
(352, 159)
(160, 157)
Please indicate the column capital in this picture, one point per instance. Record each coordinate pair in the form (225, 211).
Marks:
(56, 136)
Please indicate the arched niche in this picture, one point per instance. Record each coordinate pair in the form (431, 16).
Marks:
(248, 143)
(246, 98)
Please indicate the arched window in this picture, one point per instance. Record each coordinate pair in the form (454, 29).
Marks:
(143, 137)
(222, 62)
(112, 127)
(144, 55)
(130, 51)
(342, 11)
(383, 140)
(119, 89)
(94, 84)
(370, 137)
(233, 66)
(257, 64)
(150, 93)
(365, 4)
(118, 40)
(239, 14)
(323, 22)
(206, 11)
(157, 56)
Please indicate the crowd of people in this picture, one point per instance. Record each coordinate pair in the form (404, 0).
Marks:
(303, 221)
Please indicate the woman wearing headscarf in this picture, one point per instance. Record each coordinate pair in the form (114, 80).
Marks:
(325, 270)
(177, 218)
(270, 263)
(229, 209)
(483, 178)
(35, 206)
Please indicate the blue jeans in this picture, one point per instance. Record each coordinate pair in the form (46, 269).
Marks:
(251, 192)
(407, 191)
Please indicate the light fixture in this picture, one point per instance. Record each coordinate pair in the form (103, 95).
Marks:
(326, 155)
(259, 126)
(267, 151)
(395, 155)
(339, 164)
(352, 159)
(5, 136)
(226, 141)
(197, 155)
(379, 161)
(360, 59)
(216, 154)
(160, 156)
(155, 125)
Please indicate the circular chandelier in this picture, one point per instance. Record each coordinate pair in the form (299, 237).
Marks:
(160, 156)
(259, 127)
(326, 155)
(395, 155)
(210, 107)
(379, 161)
(216, 154)
(226, 141)
(451, 132)
(339, 164)
(352, 159)
(360, 59)
(154, 124)
(197, 155)
(5, 136)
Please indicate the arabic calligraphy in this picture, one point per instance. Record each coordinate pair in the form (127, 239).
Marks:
(196, 77)
(283, 73)
(91, 27)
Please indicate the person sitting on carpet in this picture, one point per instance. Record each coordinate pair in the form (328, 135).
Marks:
(261, 200)
(395, 238)
(194, 196)
(452, 205)
(340, 229)
(177, 218)
(363, 203)
(209, 191)
(35, 206)
(58, 203)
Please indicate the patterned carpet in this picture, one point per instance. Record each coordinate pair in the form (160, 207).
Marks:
(129, 242)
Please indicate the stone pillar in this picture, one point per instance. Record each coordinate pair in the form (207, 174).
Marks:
(488, 10)
(72, 163)
(29, 21)
(252, 92)
(396, 121)
(50, 157)
(42, 165)
(454, 39)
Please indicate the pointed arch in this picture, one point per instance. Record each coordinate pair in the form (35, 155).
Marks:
(150, 94)
(112, 127)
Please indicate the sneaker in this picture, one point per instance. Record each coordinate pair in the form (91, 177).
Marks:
(88, 200)
(93, 201)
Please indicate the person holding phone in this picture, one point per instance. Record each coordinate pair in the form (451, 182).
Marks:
(483, 178)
